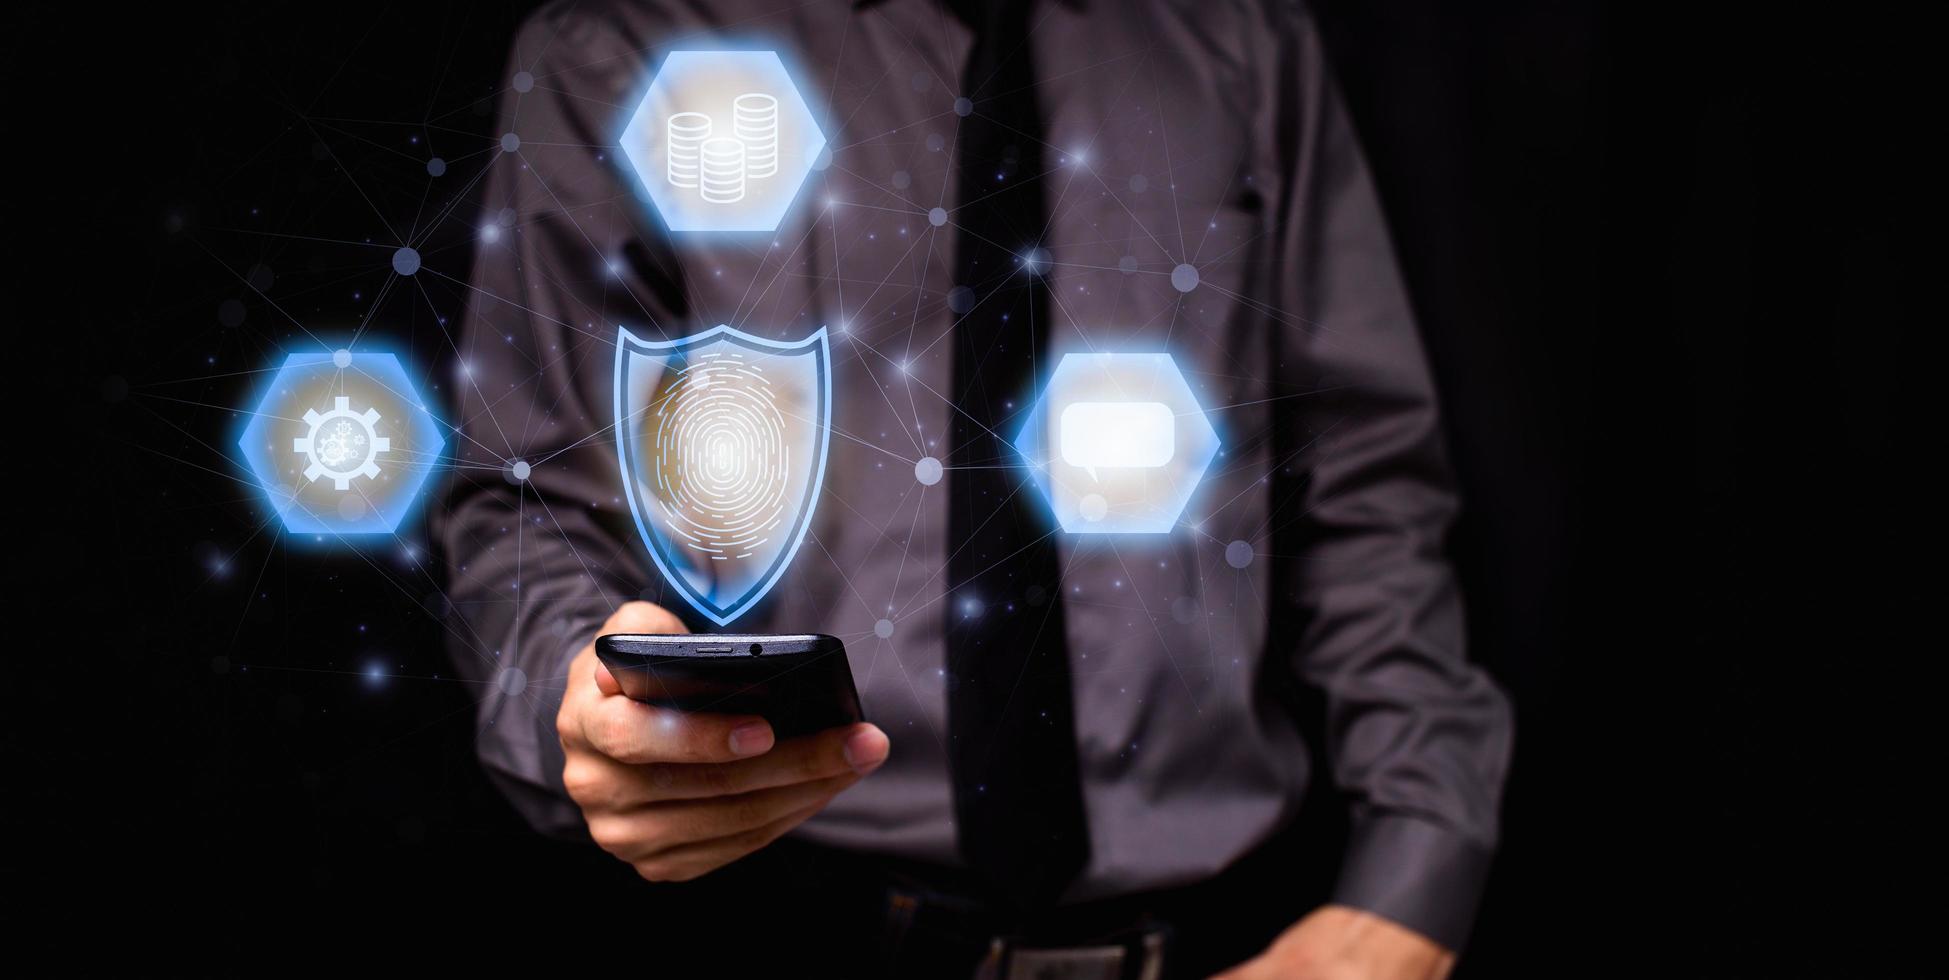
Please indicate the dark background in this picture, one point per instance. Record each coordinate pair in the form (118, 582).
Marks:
(1665, 265)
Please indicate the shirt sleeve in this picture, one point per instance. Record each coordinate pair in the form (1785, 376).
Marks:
(539, 555)
(1418, 737)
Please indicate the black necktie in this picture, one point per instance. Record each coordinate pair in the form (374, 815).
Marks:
(1011, 720)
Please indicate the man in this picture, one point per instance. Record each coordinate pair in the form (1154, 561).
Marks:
(1080, 748)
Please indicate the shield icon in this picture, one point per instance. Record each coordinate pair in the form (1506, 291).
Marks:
(723, 442)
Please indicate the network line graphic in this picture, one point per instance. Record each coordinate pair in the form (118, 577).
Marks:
(738, 512)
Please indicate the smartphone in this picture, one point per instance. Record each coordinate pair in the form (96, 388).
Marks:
(800, 684)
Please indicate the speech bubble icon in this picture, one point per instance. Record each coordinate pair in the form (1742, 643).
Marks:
(1117, 435)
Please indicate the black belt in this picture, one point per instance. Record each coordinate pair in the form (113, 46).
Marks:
(935, 933)
(935, 921)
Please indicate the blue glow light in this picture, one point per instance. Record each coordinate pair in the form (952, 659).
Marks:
(1117, 443)
(324, 495)
(780, 475)
(721, 141)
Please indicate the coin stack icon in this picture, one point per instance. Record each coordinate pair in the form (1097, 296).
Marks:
(754, 120)
(687, 133)
(723, 170)
(719, 166)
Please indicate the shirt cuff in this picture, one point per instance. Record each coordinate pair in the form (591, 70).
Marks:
(1416, 873)
(527, 768)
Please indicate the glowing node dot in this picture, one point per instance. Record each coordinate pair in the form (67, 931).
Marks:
(937, 216)
(406, 261)
(1127, 264)
(341, 358)
(935, 142)
(883, 628)
(1093, 507)
(964, 106)
(524, 81)
(436, 166)
(928, 471)
(521, 469)
(960, 299)
(1184, 278)
(1238, 554)
(902, 180)
(512, 681)
(510, 142)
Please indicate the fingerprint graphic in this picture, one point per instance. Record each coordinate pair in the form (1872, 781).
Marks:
(719, 454)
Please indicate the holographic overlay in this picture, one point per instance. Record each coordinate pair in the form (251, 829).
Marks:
(341, 443)
(1117, 435)
(1117, 443)
(719, 455)
(721, 141)
(722, 438)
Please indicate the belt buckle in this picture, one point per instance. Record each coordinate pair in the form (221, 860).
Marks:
(1138, 959)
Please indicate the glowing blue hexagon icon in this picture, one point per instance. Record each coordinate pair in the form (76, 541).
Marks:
(341, 443)
(721, 141)
(1117, 443)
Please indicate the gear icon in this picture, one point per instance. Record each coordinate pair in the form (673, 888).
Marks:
(342, 443)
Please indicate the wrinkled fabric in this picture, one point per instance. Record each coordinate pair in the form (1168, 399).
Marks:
(1207, 135)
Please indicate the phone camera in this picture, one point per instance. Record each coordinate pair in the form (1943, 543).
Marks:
(757, 648)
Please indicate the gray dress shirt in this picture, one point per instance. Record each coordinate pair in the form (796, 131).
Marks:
(1203, 133)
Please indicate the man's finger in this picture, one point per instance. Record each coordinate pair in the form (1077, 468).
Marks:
(691, 860)
(634, 732)
(857, 749)
(637, 616)
(606, 681)
(687, 821)
(600, 781)
(633, 617)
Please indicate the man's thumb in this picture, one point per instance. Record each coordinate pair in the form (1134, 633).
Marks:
(637, 616)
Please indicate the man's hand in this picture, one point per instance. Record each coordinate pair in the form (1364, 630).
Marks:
(678, 794)
(1341, 943)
